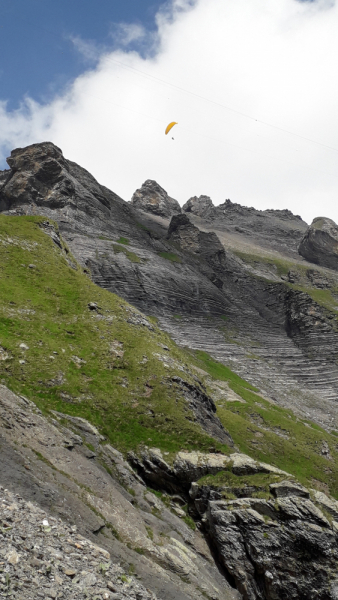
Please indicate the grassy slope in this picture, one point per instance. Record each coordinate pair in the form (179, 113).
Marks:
(272, 434)
(74, 363)
(100, 366)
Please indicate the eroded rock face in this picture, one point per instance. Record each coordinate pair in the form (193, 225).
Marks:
(273, 547)
(98, 511)
(204, 410)
(274, 551)
(190, 238)
(201, 206)
(152, 198)
(320, 243)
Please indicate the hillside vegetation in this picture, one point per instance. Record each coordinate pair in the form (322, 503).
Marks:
(73, 347)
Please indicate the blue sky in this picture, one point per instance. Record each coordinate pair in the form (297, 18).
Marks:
(251, 83)
(37, 55)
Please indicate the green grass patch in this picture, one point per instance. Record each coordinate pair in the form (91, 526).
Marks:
(189, 521)
(141, 226)
(123, 240)
(73, 361)
(227, 478)
(130, 255)
(219, 371)
(325, 298)
(170, 256)
(278, 265)
(276, 436)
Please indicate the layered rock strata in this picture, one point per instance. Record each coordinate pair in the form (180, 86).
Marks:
(275, 335)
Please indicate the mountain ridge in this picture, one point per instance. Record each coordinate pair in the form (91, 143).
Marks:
(244, 401)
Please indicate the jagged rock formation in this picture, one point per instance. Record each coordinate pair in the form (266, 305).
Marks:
(278, 229)
(281, 546)
(152, 198)
(201, 206)
(276, 549)
(320, 243)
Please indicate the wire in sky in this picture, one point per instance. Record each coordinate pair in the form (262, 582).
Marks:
(189, 92)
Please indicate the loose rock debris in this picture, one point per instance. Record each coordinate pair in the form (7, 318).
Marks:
(42, 557)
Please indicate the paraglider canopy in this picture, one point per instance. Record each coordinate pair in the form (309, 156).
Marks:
(170, 126)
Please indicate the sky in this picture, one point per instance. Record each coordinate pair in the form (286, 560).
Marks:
(252, 85)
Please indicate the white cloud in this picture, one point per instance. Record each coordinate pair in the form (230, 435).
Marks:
(126, 33)
(272, 60)
(88, 49)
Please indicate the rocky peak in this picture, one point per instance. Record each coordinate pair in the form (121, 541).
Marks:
(151, 197)
(320, 243)
(31, 157)
(199, 206)
(40, 176)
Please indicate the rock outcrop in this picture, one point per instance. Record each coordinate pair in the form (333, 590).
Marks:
(152, 198)
(278, 546)
(276, 549)
(201, 206)
(320, 243)
(189, 238)
(104, 525)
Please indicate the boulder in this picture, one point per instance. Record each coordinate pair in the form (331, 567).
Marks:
(320, 243)
(201, 206)
(151, 197)
(245, 465)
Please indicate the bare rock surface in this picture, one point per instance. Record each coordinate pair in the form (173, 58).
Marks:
(320, 243)
(283, 551)
(90, 498)
(278, 229)
(43, 557)
(271, 548)
(152, 198)
(191, 466)
(200, 206)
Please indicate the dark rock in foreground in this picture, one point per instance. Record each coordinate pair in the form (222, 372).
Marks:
(320, 243)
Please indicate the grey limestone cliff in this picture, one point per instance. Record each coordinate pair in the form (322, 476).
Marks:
(320, 243)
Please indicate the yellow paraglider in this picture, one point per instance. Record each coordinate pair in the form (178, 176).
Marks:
(170, 126)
